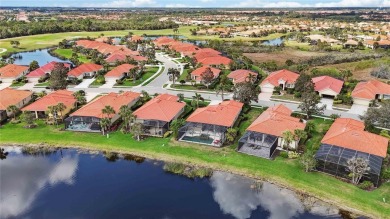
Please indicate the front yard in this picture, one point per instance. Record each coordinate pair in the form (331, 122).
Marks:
(129, 82)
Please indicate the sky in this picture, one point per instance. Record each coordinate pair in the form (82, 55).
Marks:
(198, 3)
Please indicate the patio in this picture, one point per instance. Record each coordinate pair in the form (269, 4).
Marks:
(82, 124)
(155, 127)
(202, 134)
(257, 144)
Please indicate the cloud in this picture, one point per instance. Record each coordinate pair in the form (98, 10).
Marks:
(124, 3)
(22, 178)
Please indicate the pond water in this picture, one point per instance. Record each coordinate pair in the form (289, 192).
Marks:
(72, 184)
(41, 56)
(273, 42)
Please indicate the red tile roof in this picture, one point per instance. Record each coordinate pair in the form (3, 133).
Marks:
(119, 71)
(215, 60)
(326, 82)
(84, 68)
(121, 56)
(163, 41)
(368, 90)
(164, 107)
(240, 75)
(206, 52)
(199, 71)
(275, 120)
(9, 96)
(136, 38)
(349, 133)
(94, 108)
(105, 48)
(45, 69)
(223, 114)
(12, 71)
(61, 96)
(284, 74)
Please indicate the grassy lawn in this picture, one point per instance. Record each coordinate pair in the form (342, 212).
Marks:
(283, 171)
(321, 127)
(183, 76)
(67, 53)
(189, 87)
(95, 83)
(295, 44)
(152, 78)
(44, 84)
(18, 84)
(149, 72)
(289, 97)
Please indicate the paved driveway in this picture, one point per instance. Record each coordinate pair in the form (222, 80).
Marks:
(90, 95)
(328, 102)
(85, 83)
(163, 77)
(358, 109)
(27, 86)
(4, 85)
(108, 84)
(265, 96)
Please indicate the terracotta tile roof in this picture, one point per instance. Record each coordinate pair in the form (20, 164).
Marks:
(206, 52)
(120, 70)
(136, 38)
(12, 70)
(240, 75)
(223, 114)
(61, 96)
(105, 48)
(326, 82)
(164, 107)
(349, 133)
(94, 108)
(9, 96)
(215, 60)
(83, 68)
(121, 56)
(368, 90)
(275, 120)
(284, 74)
(381, 42)
(199, 71)
(163, 41)
(45, 69)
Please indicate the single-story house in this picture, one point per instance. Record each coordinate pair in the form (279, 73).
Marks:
(365, 92)
(84, 70)
(136, 38)
(120, 56)
(40, 106)
(196, 75)
(351, 44)
(347, 139)
(157, 114)
(43, 71)
(241, 75)
(327, 86)
(12, 72)
(9, 97)
(119, 72)
(265, 134)
(215, 61)
(87, 118)
(385, 44)
(282, 78)
(208, 125)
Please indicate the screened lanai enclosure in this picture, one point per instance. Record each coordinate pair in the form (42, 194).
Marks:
(202, 133)
(155, 127)
(257, 144)
(82, 124)
(333, 160)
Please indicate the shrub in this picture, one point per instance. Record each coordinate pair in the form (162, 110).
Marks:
(293, 155)
(337, 102)
(182, 82)
(100, 79)
(386, 174)
(119, 81)
(297, 94)
(366, 185)
(167, 134)
(283, 154)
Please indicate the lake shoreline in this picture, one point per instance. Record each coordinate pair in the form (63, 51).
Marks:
(310, 199)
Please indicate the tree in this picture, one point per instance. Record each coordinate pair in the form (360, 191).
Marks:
(136, 130)
(28, 118)
(302, 82)
(378, 116)
(298, 135)
(173, 73)
(310, 127)
(52, 110)
(207, 76)
(13, 110)
(105, 124)
(308, 161)
(58, 77)
(80, 98)
(195, 99)
(346, 74)
(358, 166)
(175, 126)
(108, 110)
(33, 65)
(127, 117)
(309, 105)
(231, 134)
(133, 73)
(245, 92)
(60, 108)
(288, 137)
(223, 85)
(180, 96)
(145, 96)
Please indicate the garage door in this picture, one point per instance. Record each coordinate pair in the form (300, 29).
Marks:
(267, 89)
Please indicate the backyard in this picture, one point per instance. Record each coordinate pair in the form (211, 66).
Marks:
(67, 53)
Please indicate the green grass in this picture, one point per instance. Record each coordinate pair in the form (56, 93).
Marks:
(67, 53)
(18, 84)
(289, 97)
(285, 172)
(44, 84)
(149, 72)
(189, 87)
(152, 78)
(183, 76)
(321, 126)
(95, 83)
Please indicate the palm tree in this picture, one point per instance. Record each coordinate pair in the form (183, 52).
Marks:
(224, 85)
(181, 97)
(133, 74)
(108, 110)
(173, 74)
(310, 127)
(137, 130)
(288, 137)
(60, 108)
(145, 95)
(175, 126)
(251, 78)
(298, 135)
(196, 99)
(126, 114)
(13, 110)
(42, 93)
(105, 124)
(80, 98)
(52, 110)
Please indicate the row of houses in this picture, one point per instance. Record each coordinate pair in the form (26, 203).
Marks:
(208, 125)
(327, 86)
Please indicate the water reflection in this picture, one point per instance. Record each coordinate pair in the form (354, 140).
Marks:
(23, 177)
(41, 56)
(236, 196)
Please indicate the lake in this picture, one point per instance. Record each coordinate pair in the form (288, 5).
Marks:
(273, 42)
(41, 56)
(71, 184)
